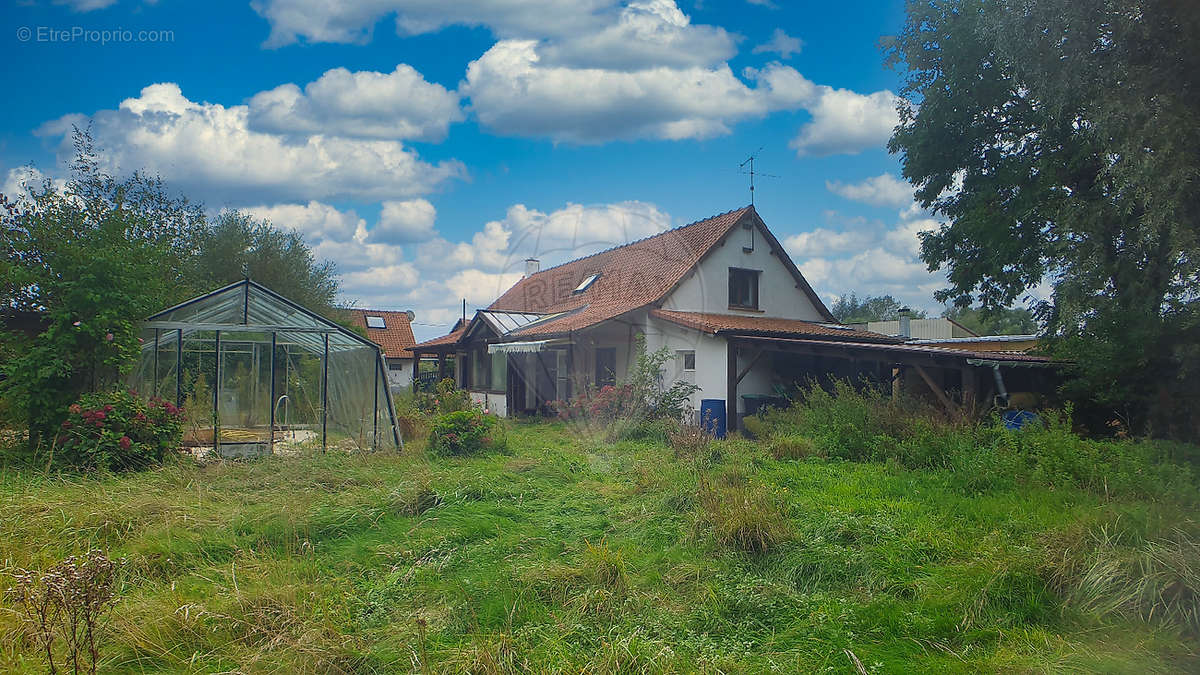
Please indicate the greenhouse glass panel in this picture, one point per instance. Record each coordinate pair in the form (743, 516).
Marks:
(256, 372)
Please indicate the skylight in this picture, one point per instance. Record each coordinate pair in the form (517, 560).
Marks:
(375, 322)
(586, 283)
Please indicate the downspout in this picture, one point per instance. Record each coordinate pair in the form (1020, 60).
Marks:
(1002, 396)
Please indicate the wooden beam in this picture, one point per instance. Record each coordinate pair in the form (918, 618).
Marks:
(937, 391)
(742, 375)
(731, 383)
(969, 387)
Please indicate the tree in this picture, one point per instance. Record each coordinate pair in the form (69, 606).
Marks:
(85, 264)
(849, 309)
(1009, 321)
(1058, 139)
(236, 244)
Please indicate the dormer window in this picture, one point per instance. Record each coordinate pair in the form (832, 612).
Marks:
(376, 322)
(586, 283)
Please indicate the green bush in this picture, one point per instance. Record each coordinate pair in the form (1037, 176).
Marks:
(117, 431)
(869, 426)
(466, 432)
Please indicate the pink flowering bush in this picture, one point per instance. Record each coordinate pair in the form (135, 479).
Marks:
(467, 432)
(118, 431)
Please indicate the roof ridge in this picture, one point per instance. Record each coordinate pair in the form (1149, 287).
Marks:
(643, 239)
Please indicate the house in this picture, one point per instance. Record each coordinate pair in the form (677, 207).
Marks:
(392, 331)
(722, 295)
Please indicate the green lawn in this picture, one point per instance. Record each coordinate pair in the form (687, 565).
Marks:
(574, 557)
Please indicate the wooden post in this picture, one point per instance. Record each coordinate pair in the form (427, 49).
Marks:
(731, 421)
(897, 386)
(441, 367)
(969, 386)
(416, 375)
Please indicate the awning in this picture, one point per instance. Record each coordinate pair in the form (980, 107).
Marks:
(517, 347)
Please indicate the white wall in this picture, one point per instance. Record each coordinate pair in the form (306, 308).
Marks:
(399, 380)
(494, 403)
(706, 289)
(710, 374)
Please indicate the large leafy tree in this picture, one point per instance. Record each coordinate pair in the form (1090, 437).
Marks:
(1061, 142)
(1008, 321)
(81, 265)
(235, 245)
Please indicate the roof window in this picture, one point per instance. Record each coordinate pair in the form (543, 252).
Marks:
(376, 322)
(586, 283)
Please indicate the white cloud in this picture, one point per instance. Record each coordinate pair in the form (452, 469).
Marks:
(882, 190)
(512, 93)
(209, 151)
(388, 277)
(821, 241)
(324, 21)
(314, 220)
(17, 182)
(399, 105)
(782, 44)
(481, 288)
(405, 221)
(86, 5)
(846, 122)
(646, 33)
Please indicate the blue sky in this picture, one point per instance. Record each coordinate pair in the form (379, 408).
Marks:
(428, 147)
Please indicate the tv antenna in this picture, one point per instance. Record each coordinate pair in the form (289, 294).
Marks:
(750, 161)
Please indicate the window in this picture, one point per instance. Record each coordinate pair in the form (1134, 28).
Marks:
(586, 283)
(376, 322)
(606, 366)
(689, 359)
(743, 288)
(397, 365)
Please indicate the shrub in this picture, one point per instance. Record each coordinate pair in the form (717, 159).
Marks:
(792, 447)
(745, 516)
(446, 397)
(117, 431)
(689, 441)
(630, 410)
(466, 432)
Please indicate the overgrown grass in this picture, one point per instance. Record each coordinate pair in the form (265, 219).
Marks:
(622, 558)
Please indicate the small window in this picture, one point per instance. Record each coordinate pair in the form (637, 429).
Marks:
(376, 322)
(396, 365)
(743, 288)
(586, 283)
(689, 360)
(606, 366)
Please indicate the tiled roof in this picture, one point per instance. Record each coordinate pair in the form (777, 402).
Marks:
(917, 350)
(632, 276)
(396, 339)
(768, 326)
(439, 343)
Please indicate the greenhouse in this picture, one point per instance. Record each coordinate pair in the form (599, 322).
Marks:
(256, 373)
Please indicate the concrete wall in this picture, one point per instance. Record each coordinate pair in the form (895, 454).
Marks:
(710, 374)
(706, 289)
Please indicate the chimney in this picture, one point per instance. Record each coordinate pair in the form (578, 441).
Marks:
(905, 322)
(531, 266)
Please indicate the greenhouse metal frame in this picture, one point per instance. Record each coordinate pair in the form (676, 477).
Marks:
(280, 374)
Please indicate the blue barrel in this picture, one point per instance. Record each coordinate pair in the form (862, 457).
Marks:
(712, 416)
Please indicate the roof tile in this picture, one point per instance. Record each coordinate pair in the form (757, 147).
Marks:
(396, 339)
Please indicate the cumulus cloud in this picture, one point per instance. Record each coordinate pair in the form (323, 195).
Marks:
(17, 182)
(314, 220)
(399, 105)
(646, 33)
(846, 122)
(822, 241)
(210, 152)
(480, 288)
(882, 190)
(323, 21)
(86, 5)
(405, 221)
(512, 93)
(780, 43)
(869, 258)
